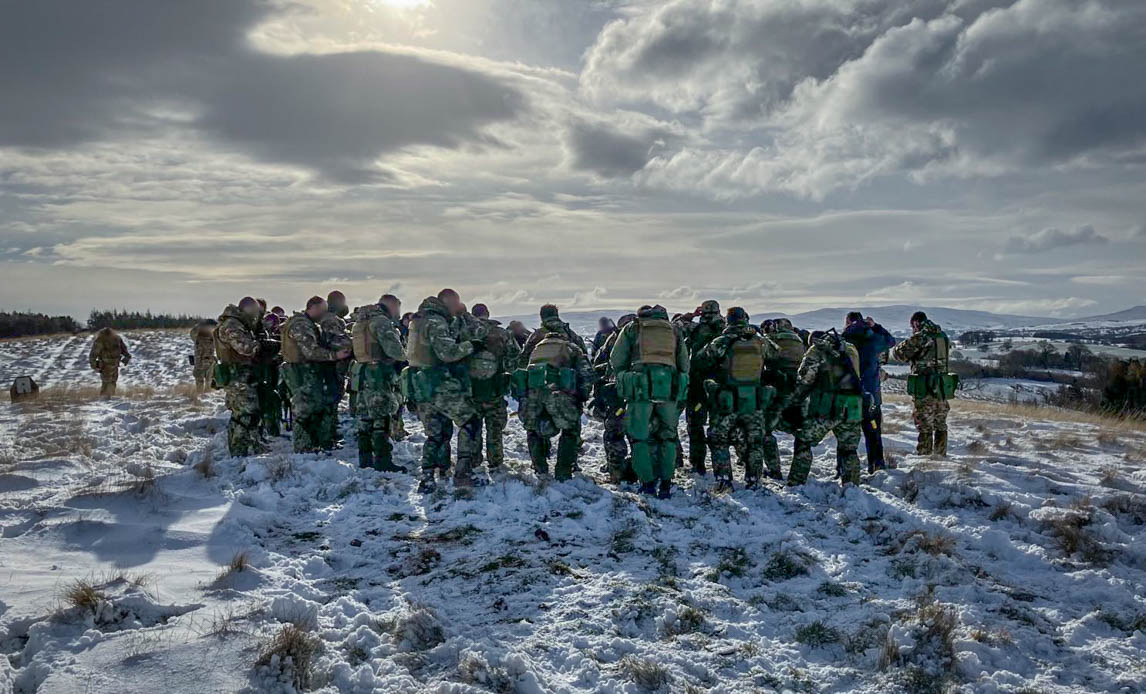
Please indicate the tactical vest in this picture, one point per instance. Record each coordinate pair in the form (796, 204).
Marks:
(553, 350)
(746, 361)
(656, 342)
(791, 349)
(841, 374)
(420, 353)
(485, 363)
(290, 351)
(937, 354)
(366, 348)
(226, 354)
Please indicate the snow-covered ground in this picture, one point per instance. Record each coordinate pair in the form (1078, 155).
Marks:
(159, 359)
(1018, 564)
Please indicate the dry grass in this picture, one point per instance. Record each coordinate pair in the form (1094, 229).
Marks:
(293, 648)
(977, 447)
(646, 674)
(82, 594)
(239, 563)
(1074, 536)
(935, 544)
(1110, 424)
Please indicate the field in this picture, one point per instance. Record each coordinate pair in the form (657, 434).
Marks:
(138, 557)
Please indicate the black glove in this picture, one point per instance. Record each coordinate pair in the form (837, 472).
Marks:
(478, 344)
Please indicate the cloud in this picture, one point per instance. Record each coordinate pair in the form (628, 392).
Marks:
(92, 72)
(588, 299)
(1050, 239)
(683, 293)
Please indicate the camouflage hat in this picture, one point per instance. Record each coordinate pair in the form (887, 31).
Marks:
(710, 306)
(737, 315)
(548, 311)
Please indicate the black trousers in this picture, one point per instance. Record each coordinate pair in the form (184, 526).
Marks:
(873, 429)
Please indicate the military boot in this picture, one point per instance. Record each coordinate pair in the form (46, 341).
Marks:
(940, 444)
(649, 488)
(665, 490)
(566, 456)
(723, 484)
(924, 443)
(427, 485)
(538, 452)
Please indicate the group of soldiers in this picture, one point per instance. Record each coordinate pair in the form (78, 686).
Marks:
(737, 383)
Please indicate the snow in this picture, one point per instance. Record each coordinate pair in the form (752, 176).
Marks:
(1016, 564)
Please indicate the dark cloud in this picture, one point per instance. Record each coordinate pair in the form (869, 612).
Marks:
(604, 150)
(98, 71)
(1050, 239)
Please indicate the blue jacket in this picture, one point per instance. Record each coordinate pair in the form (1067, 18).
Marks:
(870, 343)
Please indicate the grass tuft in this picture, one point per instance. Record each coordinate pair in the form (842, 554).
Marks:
(293, 649)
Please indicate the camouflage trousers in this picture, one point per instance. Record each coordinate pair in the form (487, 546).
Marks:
(785, 417)
(108, 378)
(848, 436)
(310, 406)
(748, 432)
(333, 385)
(615, 444)
(544, 414)
(270, 405)
(930, 416)
(494, 417)
(204, 373)
(696, 416)
(242, 399)
(439, 429)
(653, 438)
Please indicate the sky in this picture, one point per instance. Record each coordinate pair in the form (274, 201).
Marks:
(783, 155)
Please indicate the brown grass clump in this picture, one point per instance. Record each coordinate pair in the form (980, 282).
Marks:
(293, 648)
(646, 674)
(82, 594)
(206, 464)
(1111, 424)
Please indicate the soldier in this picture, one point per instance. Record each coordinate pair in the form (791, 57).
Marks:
(335, 337)
(609, 408)
(738, 397)
(237, 347)
(697, 336)
(437, 382)
(550, 323)
(519, 331)
(107, 353)
(829, 376)
(552, 389)
(203, 360)
(652, 366)
(304, 353)
(267, 365)
(377, 352)
(786, 412)
(605, 328)
(930, 384)
(490, 368)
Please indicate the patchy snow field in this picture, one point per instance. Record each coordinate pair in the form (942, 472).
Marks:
(137, 557)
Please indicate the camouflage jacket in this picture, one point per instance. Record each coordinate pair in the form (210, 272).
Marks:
(203, 337)
(499, 354)
(621, 357)
(601, 363)
(579, 362)
(441, 332)
(378, 321)
(236, 333)
(551, 325)
(713, 357)
(334, 334)
(697, 336)
(108, 349)
(921, 350)
(820, 358)
(307, 338)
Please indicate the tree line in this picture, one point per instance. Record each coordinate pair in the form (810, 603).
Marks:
(24, 324)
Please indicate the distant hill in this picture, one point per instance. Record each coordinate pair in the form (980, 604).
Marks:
(1138, 313)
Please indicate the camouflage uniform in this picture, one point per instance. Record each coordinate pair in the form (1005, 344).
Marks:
(652, 363)
(333, 373)
(489, 369)
(377, 351)
(786, 412)
(267, 381)
(697, 336)
(237, 347)
(609, 407)
(829, 376)
(559, 380)
(108, 351)
(304, 357)
(738, 398)
(203, 336)
(926, 351)
(440, 389)
(550, 325)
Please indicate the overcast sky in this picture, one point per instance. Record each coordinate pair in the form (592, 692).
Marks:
(780, 154)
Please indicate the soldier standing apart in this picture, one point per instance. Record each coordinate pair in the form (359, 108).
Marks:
(107, 353)
(437, 382)
(652, 366)
(552, 389)
(829, 377)
(332, 325)
(738, 397)
(203, 360)
(490, 368)
(697, 336)
(377, 351)
(304, 355)
(237, 347)
(930, 385)
(786, 412)
(872, 341)
(608, 407)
